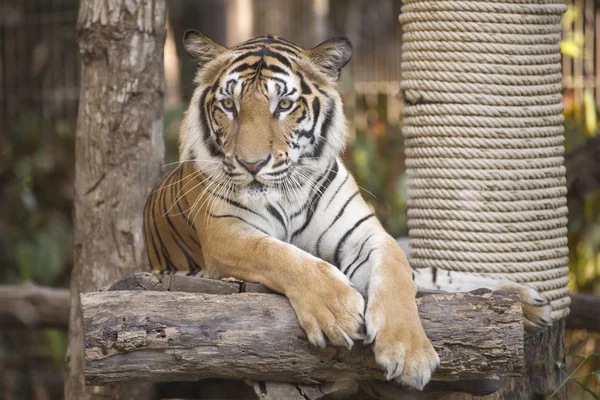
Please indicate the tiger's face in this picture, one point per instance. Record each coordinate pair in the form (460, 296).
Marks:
(265, 114)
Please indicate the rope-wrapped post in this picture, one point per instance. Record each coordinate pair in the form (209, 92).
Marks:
(483, 127)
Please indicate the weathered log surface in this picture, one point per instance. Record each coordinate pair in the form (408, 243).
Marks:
(176, 336)
(29, 306)
(540, 377)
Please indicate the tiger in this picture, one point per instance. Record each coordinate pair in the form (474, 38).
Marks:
(261, 194)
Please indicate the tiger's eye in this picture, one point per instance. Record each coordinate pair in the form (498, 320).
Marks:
(228, 104)
(284, 104)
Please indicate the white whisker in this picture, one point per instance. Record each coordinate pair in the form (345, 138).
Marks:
(178, 197)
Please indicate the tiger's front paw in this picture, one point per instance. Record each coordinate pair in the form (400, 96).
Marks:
(328, 306)
(537, 311)
(401, 346)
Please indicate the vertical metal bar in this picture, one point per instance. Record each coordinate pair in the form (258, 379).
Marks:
(72, 73)
(589, 45)
(58, 61)
(12, 80)
(597, 56)
(3, 93)
(43, 83)
(578, 61)
(567, 60)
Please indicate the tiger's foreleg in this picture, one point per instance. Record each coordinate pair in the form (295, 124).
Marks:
(536, 309)
(320, 294)
(392, 321)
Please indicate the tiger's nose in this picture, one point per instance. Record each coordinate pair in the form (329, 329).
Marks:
(253, 166)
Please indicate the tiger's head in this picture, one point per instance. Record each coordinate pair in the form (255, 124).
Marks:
(265, 113)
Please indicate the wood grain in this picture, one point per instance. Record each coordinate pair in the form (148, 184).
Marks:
(175, 336)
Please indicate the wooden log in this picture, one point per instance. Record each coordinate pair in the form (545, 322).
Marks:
(585, 312)
(539, 377)
(175, 336)
(276, 390)
(29, 306)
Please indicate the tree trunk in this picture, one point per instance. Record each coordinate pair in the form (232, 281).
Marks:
(119, 152)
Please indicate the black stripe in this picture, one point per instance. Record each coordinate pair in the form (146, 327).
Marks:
(230, 82)
(346, 236)
(255, 53)
(288, 43)
(244, 67)
(239, 218)
(276, 69)
(174, 229)
(256, 40)
(175, 194)
(169, 264)
(217, 82)
(319, 89)
(214, 150)
(262, 52)
(338, 189)
(277, 173)
(159, 248)
(193, 268)
(278, 216)
(279, 57)
(285, 49)
(361, 264)
(324, 131)
(304, 182)
(339, 214)
(163, 249)
(362, 246)
(434, 273)
(305, 88)
(152, 235)
(314, 201)
(148, 223)
(279, 163)
(238, 205)
(182, 213)
(302, 117)
(316, 109)
(270, 40)
(281, 81)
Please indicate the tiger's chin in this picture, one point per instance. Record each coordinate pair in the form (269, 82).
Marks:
(257, 193)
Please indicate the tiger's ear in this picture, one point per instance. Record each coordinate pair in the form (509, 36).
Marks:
(331, 56)
(201, 48)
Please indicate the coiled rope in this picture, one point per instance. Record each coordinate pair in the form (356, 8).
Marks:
(484, 140)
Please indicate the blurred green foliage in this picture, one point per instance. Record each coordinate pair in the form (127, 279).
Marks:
(36, 201)
(581, 125)
(375, 156)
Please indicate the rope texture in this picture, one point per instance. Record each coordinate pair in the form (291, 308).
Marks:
(484, 140)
